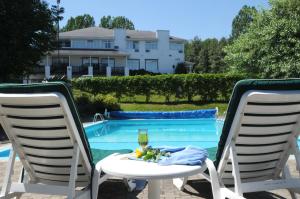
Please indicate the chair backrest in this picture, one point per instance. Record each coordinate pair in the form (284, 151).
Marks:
(263, 129)
(42, 129)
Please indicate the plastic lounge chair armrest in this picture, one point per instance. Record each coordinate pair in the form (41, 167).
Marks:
(218, 191)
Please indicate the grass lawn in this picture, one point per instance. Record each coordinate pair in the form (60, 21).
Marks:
(172, 107)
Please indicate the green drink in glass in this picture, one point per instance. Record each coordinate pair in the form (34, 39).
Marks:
(143, 138)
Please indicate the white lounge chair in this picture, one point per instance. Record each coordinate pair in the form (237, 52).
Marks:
(44, 128)
(259, 134)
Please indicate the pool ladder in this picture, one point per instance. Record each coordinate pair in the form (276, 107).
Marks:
(98, 115)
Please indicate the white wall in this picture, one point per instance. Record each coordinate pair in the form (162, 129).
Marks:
(120, 38)
(166, 57)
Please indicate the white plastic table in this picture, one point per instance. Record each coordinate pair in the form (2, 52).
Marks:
(120, 166)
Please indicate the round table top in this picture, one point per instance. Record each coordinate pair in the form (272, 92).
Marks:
(121, 166)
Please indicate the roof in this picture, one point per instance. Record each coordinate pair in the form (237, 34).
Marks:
(99, 32)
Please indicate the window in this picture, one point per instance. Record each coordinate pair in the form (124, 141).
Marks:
(176, 46)
(79, 43)
(86, 61)
(62, 61)
(151, 65)
(65, 43)
(133, 45)
(151, 45)
(108, 62)
(133, 64)
(107, 44)
(89, 43)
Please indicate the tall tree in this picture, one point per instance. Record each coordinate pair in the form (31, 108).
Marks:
(242, 21)
(79, 22)
(208, 55)
(116, 22)
(270, 48)
(106, 22)
(27, 32)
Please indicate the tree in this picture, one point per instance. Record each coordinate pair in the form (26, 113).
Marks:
(106, 22)
(116, 22)
(181, 68)
(27, 32)
(270, 48)
(242, 21)
(79, 22)
(208, 55)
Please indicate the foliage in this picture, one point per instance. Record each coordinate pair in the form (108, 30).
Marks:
(181, 69)
(27, 32)
(242, 21)
(208, 55)
(89, 104)
(208, 87)
(172, 106)
(270, 48)
(79, 22)
(116, 22)
(141, 72)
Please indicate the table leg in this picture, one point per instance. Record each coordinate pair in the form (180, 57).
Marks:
(153, 189)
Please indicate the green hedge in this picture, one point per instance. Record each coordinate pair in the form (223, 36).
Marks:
(207, 87)
(89, 104)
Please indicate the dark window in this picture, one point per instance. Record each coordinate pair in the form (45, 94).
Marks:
(133, 64)
(105, 61)
(151, 65)
(65, 43)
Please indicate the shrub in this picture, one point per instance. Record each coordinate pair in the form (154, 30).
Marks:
(181, 69)
(89, 104)
(141, 72)
(209, 87)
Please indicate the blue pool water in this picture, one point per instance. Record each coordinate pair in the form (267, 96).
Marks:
(4, 153)
(122, 134)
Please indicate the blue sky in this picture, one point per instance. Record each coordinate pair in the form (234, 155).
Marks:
(184, 18)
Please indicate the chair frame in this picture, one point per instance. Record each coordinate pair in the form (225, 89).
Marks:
(10, 189)
(285, 181)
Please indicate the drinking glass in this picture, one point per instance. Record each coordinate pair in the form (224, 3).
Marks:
(143, 138)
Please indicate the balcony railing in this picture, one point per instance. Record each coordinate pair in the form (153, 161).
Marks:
(79, 70)
(99, 70)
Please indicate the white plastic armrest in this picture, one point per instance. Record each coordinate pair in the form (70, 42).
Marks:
(218, 191)
(214, 179)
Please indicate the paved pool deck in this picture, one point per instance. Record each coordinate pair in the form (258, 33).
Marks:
(196, 188)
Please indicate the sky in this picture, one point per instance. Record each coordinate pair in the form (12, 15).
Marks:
(184, 18)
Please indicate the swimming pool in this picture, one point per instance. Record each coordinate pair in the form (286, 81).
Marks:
(122, 134)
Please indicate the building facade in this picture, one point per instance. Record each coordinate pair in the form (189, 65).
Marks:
(97, 51)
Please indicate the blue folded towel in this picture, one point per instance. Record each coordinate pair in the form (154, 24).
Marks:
(184, 156)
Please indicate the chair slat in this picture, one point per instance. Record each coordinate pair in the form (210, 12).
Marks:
(262, 140)
(46, 143)
(265, 130)
(38, 122)
(269, 119)
(259, 149)
(49, 153)
(271, 109)
(251, 174)
(56, 170)
(32, 112)
(60, 177)
(41, 134)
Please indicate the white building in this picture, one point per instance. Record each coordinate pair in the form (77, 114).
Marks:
(100, 51)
